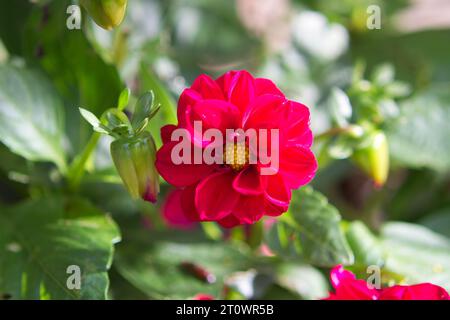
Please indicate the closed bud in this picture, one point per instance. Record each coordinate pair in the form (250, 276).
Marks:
(106, 13)
(134, 159)
(373, 157)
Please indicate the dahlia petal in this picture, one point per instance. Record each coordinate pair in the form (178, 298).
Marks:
(354, 290)
(225, 81)
(212, 114)
(247, 182)
(249, 209)
(298, 166)
(203, 296)
(242, 90)
(347, 287)
(303, 139)
(216, 114)
(274, 210)
(275, 190)
(188, 203)
(179, 175)
(215, 197)
(338, 274)
(266, 86)
(166, 132)
(266, 111)
(207, 87)
(423, 291)
(173, 212)
(298, 131)
(229, 221)
(188, 99)
(275, 112)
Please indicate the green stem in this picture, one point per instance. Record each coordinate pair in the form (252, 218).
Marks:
(255, 237)
(78, 165)
(371, 213)
(331, 133)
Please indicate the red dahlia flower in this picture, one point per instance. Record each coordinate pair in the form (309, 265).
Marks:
(347, 287)
(239, 190)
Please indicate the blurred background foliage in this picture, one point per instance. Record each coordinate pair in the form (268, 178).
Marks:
(358, 83)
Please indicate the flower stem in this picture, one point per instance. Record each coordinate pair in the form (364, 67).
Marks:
(331, 133)
(78, 165)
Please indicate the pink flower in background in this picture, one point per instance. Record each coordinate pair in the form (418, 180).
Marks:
(203, 296)
(173, 212)
(422, 291)
(347, 287)
(237, 192)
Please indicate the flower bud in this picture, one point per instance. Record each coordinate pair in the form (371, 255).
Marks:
(106, 13)
(373, 157)
(134, 159)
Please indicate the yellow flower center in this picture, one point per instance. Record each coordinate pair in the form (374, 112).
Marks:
(236, 155)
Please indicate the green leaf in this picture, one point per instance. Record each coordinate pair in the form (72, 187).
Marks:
(408, 253)
(439, 221)
(90, 117)
(365, 246)
(152, 262)
(397, 89)
(143, 109)
(79, 74)
(340, 107)
(420, 136)
(417, 253)
(341, 148)
(124, 98)
(167, 114)
(116, 122)
(311, 230)
(302, 279)
(13, 16)
(251, 284)
(219, 21)
(383, 74)
(389, 109)
(31, 116)
(40, 239)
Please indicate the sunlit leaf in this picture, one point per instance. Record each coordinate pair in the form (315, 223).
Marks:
(311, 230)
(420, 136)
(151, 261)
(41, 239)
(31, 116)
(416, 253)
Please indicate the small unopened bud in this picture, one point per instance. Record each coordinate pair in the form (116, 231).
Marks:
(373, 158)
(134, 159)
(106, 13)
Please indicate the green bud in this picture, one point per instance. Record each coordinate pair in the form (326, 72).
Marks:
(106, 13)
(144, 110)
(373, 157)
(134, 159)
